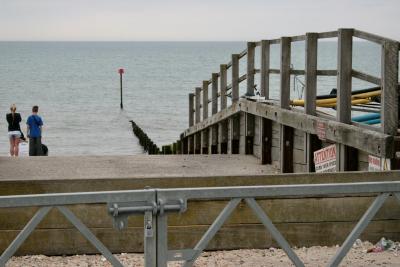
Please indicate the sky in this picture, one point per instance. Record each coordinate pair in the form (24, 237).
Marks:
(190, 20)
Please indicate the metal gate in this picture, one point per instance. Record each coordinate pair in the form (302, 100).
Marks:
(155, 204)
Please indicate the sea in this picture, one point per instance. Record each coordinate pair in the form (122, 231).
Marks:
(77, 87)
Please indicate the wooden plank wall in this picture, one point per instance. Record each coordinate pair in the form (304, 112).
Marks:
(304, 222)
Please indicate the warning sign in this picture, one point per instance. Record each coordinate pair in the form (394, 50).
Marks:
(378, 164)
(325, 159)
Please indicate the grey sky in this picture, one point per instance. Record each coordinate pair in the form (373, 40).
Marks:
(180, 20)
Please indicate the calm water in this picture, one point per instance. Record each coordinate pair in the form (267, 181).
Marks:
(76, 86)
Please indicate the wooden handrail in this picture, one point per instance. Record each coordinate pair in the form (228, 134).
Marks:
(265, 70)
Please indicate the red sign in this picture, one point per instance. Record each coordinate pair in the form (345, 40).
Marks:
(121, 71)
(321, 130)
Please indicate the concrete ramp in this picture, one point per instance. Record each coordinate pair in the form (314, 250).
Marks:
(139, 166)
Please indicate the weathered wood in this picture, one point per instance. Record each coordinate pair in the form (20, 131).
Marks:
(297, 38)
(310, 92)
(223, 83)
(235, 133)
(249, 133)
(344, 80)
(214, 110)
(214, 93)
(331, 34)
(178, 147)
(185, 145)
(310, 95)
(191, 106)
(275, 41)
(366, 77)
(197, 109)
(266, 141)
(284, 99)
(235, 78)
(197, 143)
(204, 141)
(205, 99)
(191, 144)
(344, 61)
(223, 137)
(327, 72)
(313, 144)
(286, 145)
(390, 88)
(371, 141)
(248, 236)
(371, 37)
(250, 68)
(265, 62)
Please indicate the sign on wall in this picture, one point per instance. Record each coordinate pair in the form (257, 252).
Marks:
(325, 159)
(378, 164)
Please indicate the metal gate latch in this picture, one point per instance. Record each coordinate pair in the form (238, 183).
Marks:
(121, 211)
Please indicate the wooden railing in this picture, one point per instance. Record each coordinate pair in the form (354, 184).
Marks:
(199, 101)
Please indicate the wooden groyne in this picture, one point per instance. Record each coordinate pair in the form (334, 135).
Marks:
(147, 144)
(285, 133)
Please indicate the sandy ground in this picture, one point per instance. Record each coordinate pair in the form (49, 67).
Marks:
(314, 256)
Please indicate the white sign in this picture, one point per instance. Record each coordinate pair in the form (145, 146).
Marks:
(378, 164)
(325, 159)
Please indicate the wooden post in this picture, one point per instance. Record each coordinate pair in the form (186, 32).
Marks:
(214, 110)
(223, 126)
(191, 144)
(286, 160)
(390, 94)
(223, 83)
(344, 78)
(286, 133)
(312, 142)
(251, 46)
(235, 78)
(284, 100)
(264, 72)
(310, 93)
(234, 121)
(197, 110)
(249, 118)
(191, 103)
(235, 133)
(204, 134)
(197, 143)
(266, 141)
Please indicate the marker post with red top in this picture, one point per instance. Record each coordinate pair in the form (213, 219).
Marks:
(121, 71)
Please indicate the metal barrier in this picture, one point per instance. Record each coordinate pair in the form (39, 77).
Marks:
(155, 204)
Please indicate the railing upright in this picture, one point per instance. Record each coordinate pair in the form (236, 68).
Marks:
(344, 82)
(264, 72)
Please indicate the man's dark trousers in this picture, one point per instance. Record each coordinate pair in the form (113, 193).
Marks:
(35, 146)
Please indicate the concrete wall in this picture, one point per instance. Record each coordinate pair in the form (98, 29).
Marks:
(304, 222)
